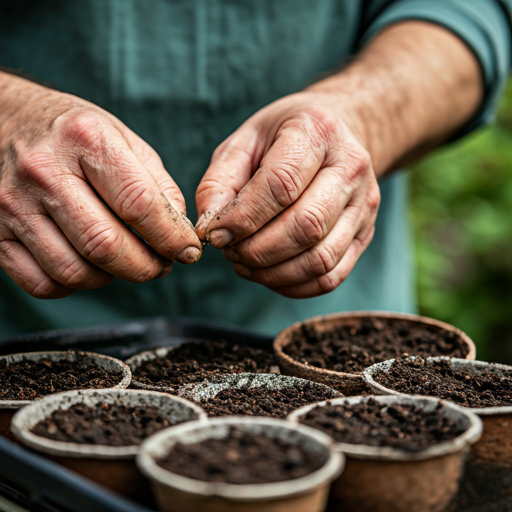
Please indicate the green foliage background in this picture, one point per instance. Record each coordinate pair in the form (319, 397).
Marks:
(462, 216)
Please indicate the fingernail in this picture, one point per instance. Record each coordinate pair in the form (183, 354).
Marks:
(219, 238)
(231, 254)
(189, 255)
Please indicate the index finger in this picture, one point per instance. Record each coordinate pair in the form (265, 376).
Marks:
(284, 173)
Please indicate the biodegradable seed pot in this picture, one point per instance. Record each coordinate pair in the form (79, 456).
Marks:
(334, 349)
(268, 449)
(483, 388)
(27, 376)
(169, 368)
(254, 394)
(405, 469)
(91, 417)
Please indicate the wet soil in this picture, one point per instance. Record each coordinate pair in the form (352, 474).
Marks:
(439, 379)
(264, 401)
(104, 424)
(403, 426)
(193, 362)
(352, 349)
(241, 458)
(28, 380)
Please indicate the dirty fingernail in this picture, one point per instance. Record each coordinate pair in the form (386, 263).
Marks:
(231, 255)
(189, 255)
(219, 238)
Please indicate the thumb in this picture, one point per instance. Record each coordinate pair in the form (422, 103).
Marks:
(231, 167)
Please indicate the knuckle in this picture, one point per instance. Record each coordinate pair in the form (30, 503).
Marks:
(102, 244)
(35, 167)
(9, 203)
(284, 185)
(133, 203)
(252, 257)
(44, 289)
(311, 226)
(322, 259)
(373, 199)
(81, 126)
(321, 121)
(329, 282)
(360, 162)
(72, 274)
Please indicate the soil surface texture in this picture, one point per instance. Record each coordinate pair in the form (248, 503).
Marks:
(264, 401)
(241, 458)
(104, 424)
(193, 362)
(352, 349)
(28, 380)
(438, 379)
(371, 423)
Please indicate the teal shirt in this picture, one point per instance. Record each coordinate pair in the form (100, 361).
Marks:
(184, 74)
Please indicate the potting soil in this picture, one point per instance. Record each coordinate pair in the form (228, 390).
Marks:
(103, 424)
(193, 362)
(416, 376)
(28, 380)
(264, 400)
(241, 458)
(352, 349)
(404, 426)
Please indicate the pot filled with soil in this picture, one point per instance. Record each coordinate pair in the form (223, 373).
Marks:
(402, 453)
(32, 375)
(97, 433)
(169, 368)
(335, 349)
(252, 394)
(483, 388)
(237, 464)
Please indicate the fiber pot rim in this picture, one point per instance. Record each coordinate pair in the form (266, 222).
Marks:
(283, 336)
(233, 492)
(27, 417)
(360, 451)
(35, 356)
(216, 383)
(481, 411)
(136, 360)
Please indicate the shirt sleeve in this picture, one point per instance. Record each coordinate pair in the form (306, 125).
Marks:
(484, 25)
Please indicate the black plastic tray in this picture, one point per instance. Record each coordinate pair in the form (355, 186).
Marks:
(39, 485)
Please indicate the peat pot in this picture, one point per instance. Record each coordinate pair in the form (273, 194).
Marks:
(9, 407)
(384, 479)
(488, 473)
(176, 493)
(349, 384)
(209, 388)
(110, 466)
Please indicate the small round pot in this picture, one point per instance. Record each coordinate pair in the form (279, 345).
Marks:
(110, 466)
(9, 407)
(381, 479)
(350, 384)
(488, 475)
(176, 493)
(209, 388)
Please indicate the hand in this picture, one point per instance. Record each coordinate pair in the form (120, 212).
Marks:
(69, 171)
(291, 197)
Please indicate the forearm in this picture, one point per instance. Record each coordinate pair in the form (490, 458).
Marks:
(410, 88)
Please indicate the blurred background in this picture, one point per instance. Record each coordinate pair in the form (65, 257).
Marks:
(462, 216)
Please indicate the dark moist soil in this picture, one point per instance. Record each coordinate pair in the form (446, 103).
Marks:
(28, 380)
(193, 362)
(352, 349)
(104, 424)
(264, 401)
(439, 379)
(403, 426)
(241, 458)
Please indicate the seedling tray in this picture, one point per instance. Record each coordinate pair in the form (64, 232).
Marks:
(31, 482)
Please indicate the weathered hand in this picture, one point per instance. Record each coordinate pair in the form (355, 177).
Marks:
(291, 197)
(62, 161)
